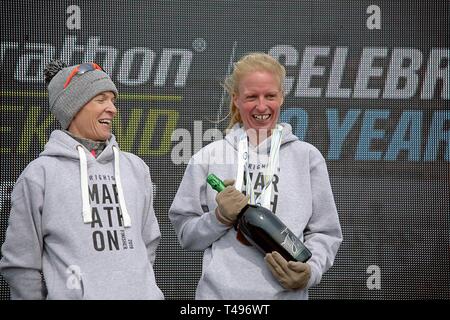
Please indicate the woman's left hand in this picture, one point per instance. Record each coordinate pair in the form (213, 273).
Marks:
(291, 275)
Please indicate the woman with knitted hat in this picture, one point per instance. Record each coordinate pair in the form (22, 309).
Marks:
(77, 228)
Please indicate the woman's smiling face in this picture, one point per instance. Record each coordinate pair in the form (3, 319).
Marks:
(94, 120)
(259, 99)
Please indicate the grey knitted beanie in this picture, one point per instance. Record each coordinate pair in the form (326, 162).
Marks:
(65, 103)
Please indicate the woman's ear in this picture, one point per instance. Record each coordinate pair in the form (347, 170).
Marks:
(235, 98)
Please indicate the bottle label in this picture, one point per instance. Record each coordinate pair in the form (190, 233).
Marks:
(291, 243)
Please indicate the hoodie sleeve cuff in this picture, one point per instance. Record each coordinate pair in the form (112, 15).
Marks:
(25, 285)
(315, 277)
(216, 219)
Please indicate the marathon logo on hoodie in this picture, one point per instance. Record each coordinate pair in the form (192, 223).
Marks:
(107, 222)
(256, 173)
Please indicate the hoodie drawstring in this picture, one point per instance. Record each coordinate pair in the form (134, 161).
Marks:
(123, 208)
(87, 215)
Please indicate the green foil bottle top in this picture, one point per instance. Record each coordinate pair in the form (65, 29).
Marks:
(215, 182)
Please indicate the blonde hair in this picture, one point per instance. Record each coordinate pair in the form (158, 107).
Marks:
(250, 63)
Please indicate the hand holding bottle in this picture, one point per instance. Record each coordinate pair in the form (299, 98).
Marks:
(291, 275)
(255, 224)
(230, 203)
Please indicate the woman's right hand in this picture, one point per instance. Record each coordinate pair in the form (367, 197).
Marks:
(230, 202)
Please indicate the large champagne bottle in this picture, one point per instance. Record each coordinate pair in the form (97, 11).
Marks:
(263, 229)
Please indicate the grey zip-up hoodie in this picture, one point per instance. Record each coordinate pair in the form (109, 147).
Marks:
(302, 199)
(107, 252)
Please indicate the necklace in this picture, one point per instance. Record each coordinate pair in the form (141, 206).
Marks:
(264, 198)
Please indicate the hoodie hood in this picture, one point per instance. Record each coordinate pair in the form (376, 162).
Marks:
(234, 135)
(63, 145)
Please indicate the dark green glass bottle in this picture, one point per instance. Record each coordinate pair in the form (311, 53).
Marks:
(265, 230)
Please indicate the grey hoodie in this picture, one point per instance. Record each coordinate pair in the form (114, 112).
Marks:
(302, 199)
(48, 234)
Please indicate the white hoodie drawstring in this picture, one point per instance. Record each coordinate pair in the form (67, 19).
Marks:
(87, 215)
(123, 207)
